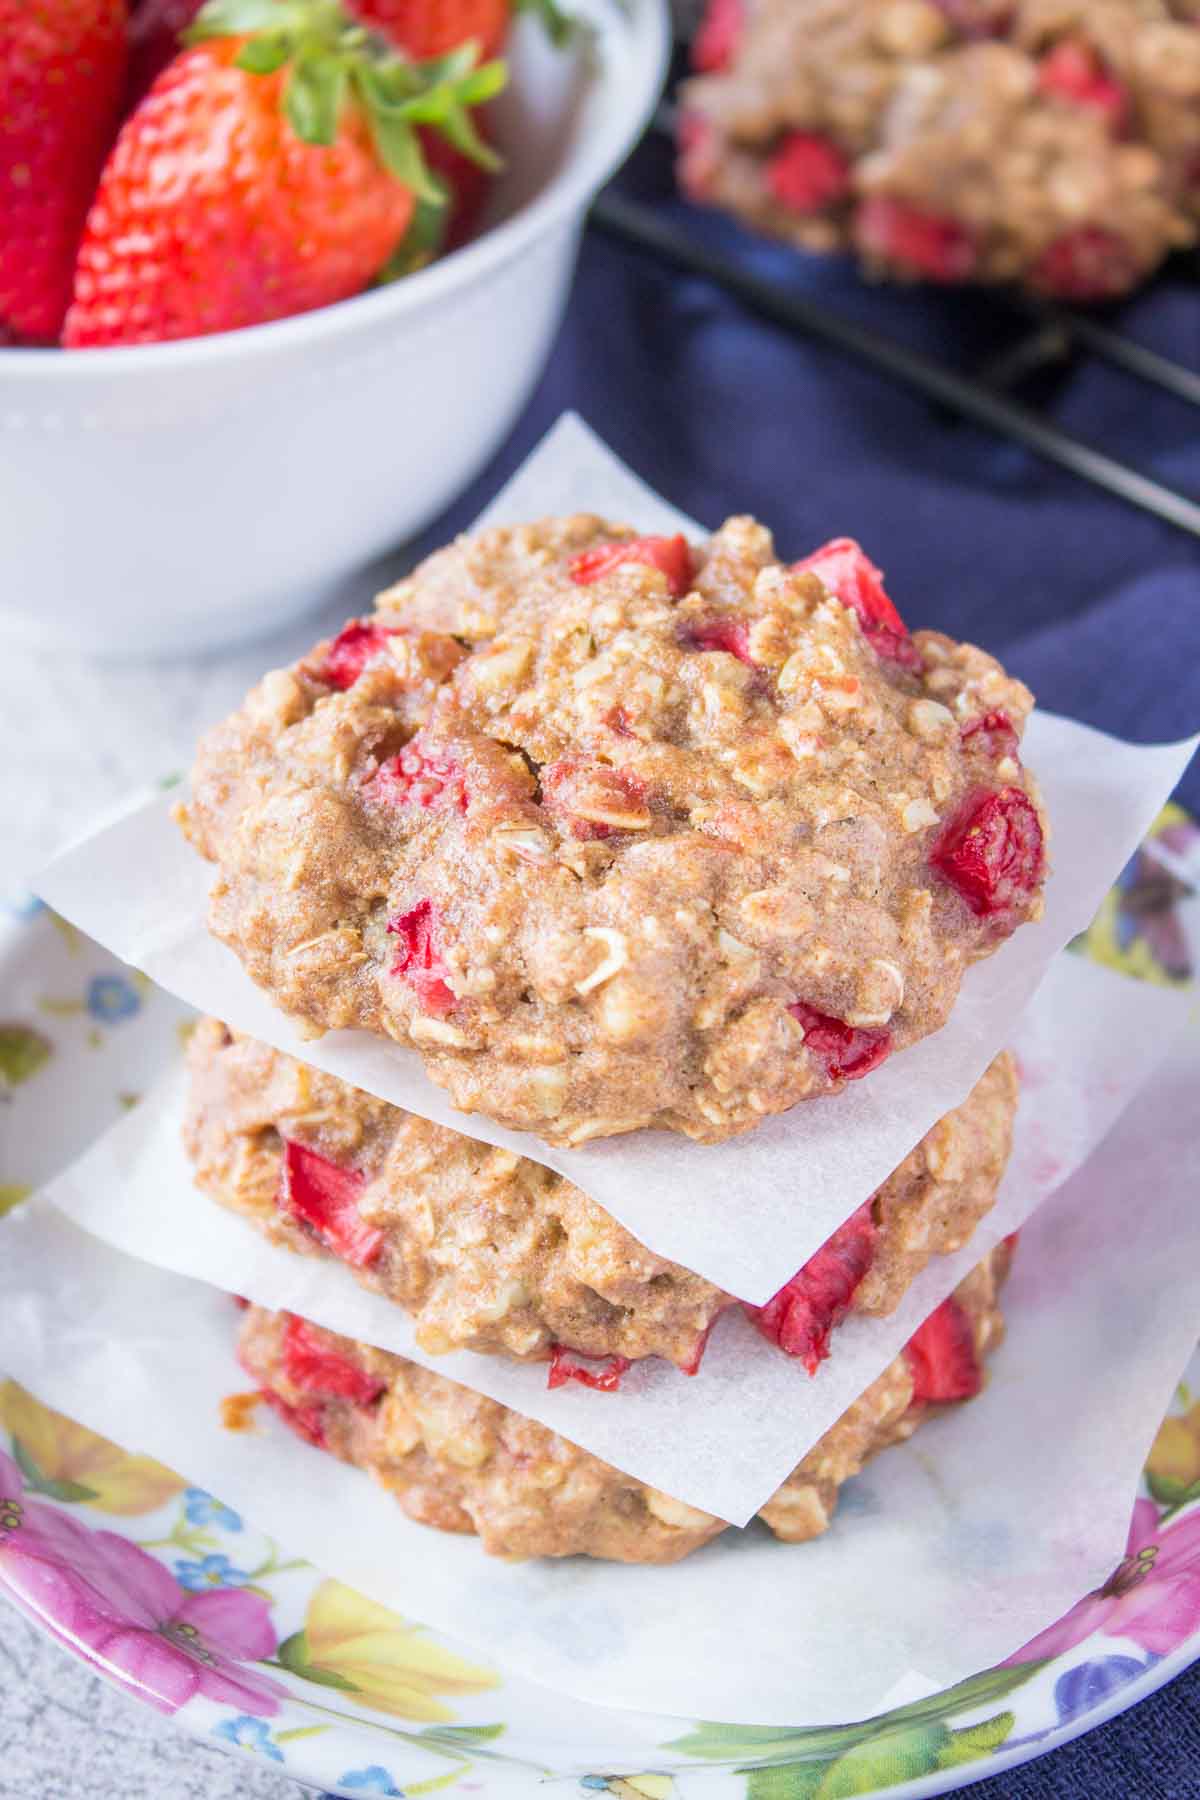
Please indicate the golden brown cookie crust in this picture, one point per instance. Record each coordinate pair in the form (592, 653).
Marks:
(464, 1463)
(494, 1253)
(640, 839)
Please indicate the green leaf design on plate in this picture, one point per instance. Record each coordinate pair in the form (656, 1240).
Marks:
(299, 1731)
(975, 1741)
(472, 1733)
(11, 1194)
(883, 1762)
(1169, 1492)
(71, 1491)
(293, 1655)
(786, 1781)
(23, 1051)
(965, 1696)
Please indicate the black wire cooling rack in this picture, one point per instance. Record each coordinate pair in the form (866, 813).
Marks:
(1056, 336)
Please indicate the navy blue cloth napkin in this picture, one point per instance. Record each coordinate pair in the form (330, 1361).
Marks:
(1095, 605)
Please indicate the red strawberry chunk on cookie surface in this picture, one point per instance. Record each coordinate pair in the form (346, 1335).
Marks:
(993, 735)
(993, 853)
(1074, 71)
(305, 1421)
(670, 555)
(847, 1052)
(941, 1356)
(924, 243)
(310, 1364)
(600, 1373)
(730, 635)
(1089, 263)
(716, 41)
(853, 578)
(418, 959)
(422, 776)
(593, 800)
(807, 173)
(803, 1315)
(325, 1197)
(358, 644)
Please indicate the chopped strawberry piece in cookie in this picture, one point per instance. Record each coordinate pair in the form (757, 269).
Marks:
(852, 578)
(715, 44)
(941, 1356)
(306, 1421)
(807, 173)
(602, 1373)
(669, 555)
(350, 652)
(325, 1196)
(1074, 71)
(418, 959)
(924, 243)
(848, 1052)
(994, 735)
(311, 1365)
(422, 777)
(1089, 263)
(993, 853)
(803, 1315)
(730, 635)
(593, 800)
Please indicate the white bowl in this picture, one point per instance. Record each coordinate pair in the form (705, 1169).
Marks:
(176, 497)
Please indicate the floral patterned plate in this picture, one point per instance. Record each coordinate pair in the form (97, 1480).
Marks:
(183, 1604)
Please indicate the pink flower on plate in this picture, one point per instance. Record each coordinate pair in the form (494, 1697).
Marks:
(1151, 1597)
(123, 1611)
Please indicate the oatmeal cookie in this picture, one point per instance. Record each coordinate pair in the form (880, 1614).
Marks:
(491, 1252)
(1050, 142)
(623, 832)
(464, 1463)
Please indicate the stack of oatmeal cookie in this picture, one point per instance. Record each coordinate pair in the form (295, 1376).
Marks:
(617, 833)
(1050, 142)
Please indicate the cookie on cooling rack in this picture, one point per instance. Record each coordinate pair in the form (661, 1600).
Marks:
(1032, 141)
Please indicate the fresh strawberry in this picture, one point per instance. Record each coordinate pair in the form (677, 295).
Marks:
(807, 173)
(267, 172)
(853, 579)
(941, 1356)
(993, 852)
(993, 735)
(730, 635)
(354, 647)
(803, 1315)
(324, 1196)
(422, 777)
(444, 224)
(670, 555)
(602, 1374)
(847, 1052)
(156, 34)
(418, 959)
(716, 41)
(62, 70)
(306, 1421)
(1088, 263)
(922, 243)
(1075, 72)
(311, 1365)
(435, 27)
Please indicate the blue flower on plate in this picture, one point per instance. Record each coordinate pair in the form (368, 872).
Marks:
(22, 906)
(202, 1509)
(209, 1572)
(374, 1780)
(249, 1734)
(110, 998)
(1089, 1684)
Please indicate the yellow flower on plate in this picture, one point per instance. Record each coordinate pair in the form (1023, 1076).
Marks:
(72, 1463)
(355, 1644)
(1173, 1465)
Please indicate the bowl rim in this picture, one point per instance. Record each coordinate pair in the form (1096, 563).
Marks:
(635, 43)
